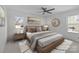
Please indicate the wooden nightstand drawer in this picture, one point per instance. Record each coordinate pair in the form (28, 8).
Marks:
(19, 36)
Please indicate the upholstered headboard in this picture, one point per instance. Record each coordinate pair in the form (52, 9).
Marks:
(33, 28)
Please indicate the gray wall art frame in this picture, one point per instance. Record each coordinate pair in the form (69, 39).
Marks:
(2, 16)
(55, 22)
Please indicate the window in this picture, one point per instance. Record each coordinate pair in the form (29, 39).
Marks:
(19, 24)
(73, 24)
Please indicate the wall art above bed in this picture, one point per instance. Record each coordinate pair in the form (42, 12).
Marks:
(34, 21)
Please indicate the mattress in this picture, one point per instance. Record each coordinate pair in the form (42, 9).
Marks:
(46, 41)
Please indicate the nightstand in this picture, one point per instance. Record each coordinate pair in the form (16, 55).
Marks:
(19, 36)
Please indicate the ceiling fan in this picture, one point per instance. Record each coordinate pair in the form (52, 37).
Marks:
(45, 10)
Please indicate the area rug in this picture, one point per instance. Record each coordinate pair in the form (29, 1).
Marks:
(57, 51)
(63, 47)
(24, 46)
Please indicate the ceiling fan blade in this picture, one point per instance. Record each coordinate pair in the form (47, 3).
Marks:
(43, 8)
(49, 12)
(51, 9)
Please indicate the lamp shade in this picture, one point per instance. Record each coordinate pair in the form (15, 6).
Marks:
(18, 26)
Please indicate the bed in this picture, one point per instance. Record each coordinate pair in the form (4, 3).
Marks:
(44, 41)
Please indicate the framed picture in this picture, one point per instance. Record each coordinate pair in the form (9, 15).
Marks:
(33, 20)
(55, 22)
(2, 17)
(2, 22)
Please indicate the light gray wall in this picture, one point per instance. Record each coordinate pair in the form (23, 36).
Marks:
(12, 21)
(45, 20)
(64, 27)
(11, 13)
(3, 34)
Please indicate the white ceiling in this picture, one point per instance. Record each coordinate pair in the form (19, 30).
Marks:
(36, 9)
